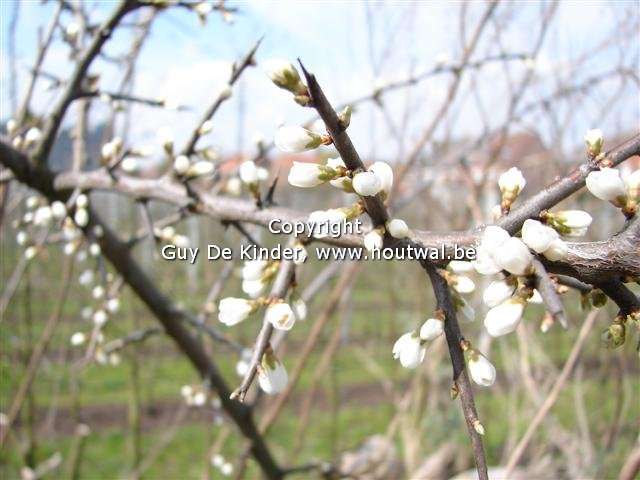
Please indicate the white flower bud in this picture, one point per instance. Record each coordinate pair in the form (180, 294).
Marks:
(181, 164)
(284, 75)
(97, 292)
(78, 339)
(366, 184)
(299, 309)
(594, 140)
(30, 252)
(463, 284)
(100, 318)
(200, 168)
(481, 370)
(306, 175)
(280, 315)
(253, 269)
(232, 311)
(484, 263)
(460, 266)
(72, 30)
(22, 238)
(497, 292)
(248, 172)
(32, 136)
(130, 165)
(606, 184)
(58, 210)
(206, 127)
(263, 174)
(217, 460)
(504, 318)
(81, 217)
(42, 216)
(112, 305)
(32, 202)
(272, 376)
(431, 329)
(112, 148)
(373, 240)
(294, 139)
(632, 182)
(385, 174)
(94, 249)
(82, 201)
(512, 182)
(514, 257)
(234, 186)
(537, 236)
(324, 219)
(398, 228)
(253, 288)
(557, 250)
(225, 92)
(573, 223)
(11, 126)
(226, 469)
(409, 350)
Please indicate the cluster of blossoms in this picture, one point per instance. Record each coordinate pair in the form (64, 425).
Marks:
(218, 461)
(24, 140)
(169, 235)
(411, 347)
(194, 396)
(256, 274)
(39, 214)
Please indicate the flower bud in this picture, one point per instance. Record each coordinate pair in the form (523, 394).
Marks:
(248, 172)
(81, 217)
(306, 175)
(373, 240)
(280, 315)
(82, 201)
(557, 251)
(254, 269)
(32, 136)
(366, 184)
(385, 174)
(409, 350)
(460, 266)
(514, 257)
(431, 329)
(572, 223)
(78, 339)
(58, 210)
(272, 376)
(299, 308)
(594, 141)
(480, 368)
(504, 318)
(200, 168)
(536, 236)
(181, 164)
(497, 292)
(232, 311)
(284, 75)
(130, 165)
(206, 127)
(606, 184)
(463, 284)
(253, 288)
(511, 183)
(294, 139)
(234, 186)
(100, 318)
(398, 228)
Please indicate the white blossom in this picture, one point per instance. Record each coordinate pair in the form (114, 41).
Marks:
(232, 311)
(632, 182)
(94, 249)
(283, 74)
(366, 184)
(272, 376)
(512, 182)
(299, 309)
(481, 369)
(575, 222)
(504, 318)
(306, 174)
(431, 329)
(22, 238)
(253, 269)
(97, 292)
(225, 92)
(181, 164)
(234, 186)
(100, 317)
(398, 228)
(536, 236)
(253, 288)
(514, 257)
(606, 184)
(497, 292)
(409, 350)
(32, 136)
(217, 460)
(81, 217)
(248, 172)
(226, 469)
(460, 266)
(82, 201)
(263, 174)
(200, 168)
(557, 250)
(58, 210)
(86, 277)
(463, 284)
(111, 149)
(385, 174)
(242, 367)
(280, 315)
(30, 252)
(373, 240)
(112, 304)
(78, 339)
(294, 139)
(324, 219)
(42, 216)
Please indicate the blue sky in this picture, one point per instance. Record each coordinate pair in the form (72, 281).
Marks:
(343, 43)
